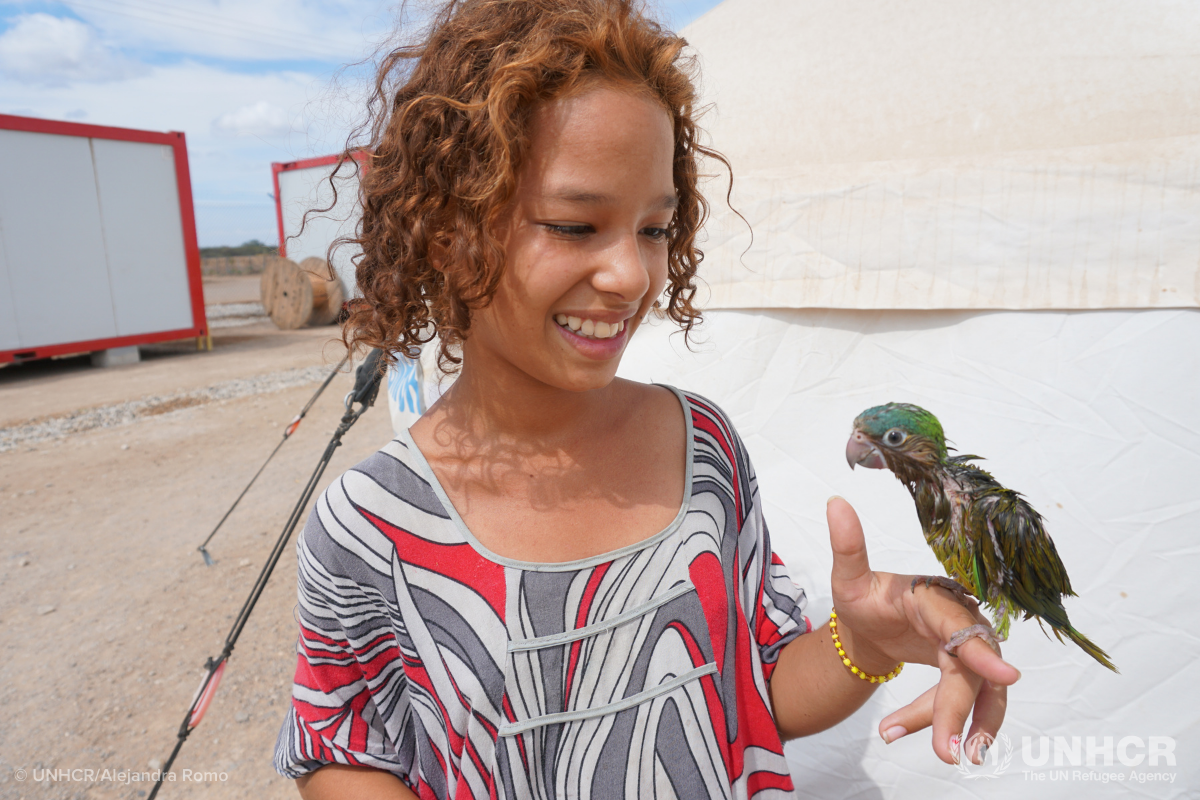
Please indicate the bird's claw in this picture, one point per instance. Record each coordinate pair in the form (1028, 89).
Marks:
(959, 591)
(980, 631)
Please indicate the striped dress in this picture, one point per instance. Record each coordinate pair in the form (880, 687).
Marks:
(639, 673)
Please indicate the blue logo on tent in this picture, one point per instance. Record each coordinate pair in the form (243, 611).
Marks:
(404, 385)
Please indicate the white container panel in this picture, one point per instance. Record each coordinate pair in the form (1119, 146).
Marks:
(303, 189)
(9, 338)
(53, 240)
(143, 232)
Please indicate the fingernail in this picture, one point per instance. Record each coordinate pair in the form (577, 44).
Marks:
(893, 733)
(983, 753)
(834, 497)
(954, 740)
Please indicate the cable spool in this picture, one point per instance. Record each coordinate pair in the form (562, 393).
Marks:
(295, 295)
(328, 296)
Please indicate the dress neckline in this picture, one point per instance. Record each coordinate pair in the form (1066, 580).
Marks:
(583, 563)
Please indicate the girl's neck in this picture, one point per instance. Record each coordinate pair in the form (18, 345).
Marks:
(506, 406)
(543, 474)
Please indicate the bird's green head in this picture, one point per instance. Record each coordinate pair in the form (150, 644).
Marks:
(895, 435)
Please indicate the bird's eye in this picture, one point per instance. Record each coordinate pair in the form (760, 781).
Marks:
(894, 437)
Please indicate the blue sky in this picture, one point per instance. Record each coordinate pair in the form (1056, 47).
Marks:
(248, 81)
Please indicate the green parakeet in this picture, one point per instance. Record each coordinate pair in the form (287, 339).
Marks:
(988, 538)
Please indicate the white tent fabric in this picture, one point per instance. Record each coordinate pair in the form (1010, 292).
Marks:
(1091, 415)
(949, 154)
(988, 209)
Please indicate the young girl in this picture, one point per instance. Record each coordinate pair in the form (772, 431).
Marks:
(558, 583)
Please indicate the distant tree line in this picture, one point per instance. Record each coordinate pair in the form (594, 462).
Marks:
(251, 248)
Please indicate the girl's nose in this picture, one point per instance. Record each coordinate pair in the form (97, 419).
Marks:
(625, 270)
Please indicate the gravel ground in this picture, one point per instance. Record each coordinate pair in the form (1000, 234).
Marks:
(230, 315)
(109, 416)
(107, 612)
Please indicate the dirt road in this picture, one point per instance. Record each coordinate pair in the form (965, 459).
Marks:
(221, 289)
(107, 612)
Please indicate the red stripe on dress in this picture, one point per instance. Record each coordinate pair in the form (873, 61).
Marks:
(712, 698)
(581, 618)
(709, 579)
(457, 562)
(758, 781)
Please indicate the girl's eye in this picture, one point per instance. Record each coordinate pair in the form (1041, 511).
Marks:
(573, 231)
(657, 234)
(894, 437)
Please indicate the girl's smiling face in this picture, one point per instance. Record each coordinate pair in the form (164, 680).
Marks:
(586, 242)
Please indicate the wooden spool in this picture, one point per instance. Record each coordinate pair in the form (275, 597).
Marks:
(327, 292)
(295, 295)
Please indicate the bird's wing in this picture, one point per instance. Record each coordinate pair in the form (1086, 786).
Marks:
(1014, 550)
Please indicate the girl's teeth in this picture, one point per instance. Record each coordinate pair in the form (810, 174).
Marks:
(590, 328)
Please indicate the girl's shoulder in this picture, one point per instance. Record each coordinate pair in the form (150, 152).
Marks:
(714, 445)
(667, 399)
(702, 421)
(359, 515)
(707, 421)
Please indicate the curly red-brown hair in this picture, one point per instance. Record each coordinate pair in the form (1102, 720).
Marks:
(449, 131)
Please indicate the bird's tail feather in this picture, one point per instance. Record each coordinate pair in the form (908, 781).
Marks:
(1060, 626)
(1087, 646)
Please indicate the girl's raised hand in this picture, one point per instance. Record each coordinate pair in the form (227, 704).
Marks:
(890, 621)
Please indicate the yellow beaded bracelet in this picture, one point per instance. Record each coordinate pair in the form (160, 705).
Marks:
(837, 643)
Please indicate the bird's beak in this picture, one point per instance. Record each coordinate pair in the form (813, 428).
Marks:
(859, 450)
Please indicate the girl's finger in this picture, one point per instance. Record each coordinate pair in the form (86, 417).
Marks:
(946, 617)
(914, 717)
(952, 705)
(981, 659)
(990, 705)
(851, 577)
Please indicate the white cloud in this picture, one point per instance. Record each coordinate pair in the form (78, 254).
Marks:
(262, 119)
(55, 51)
(333, 31)
(66, 69)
